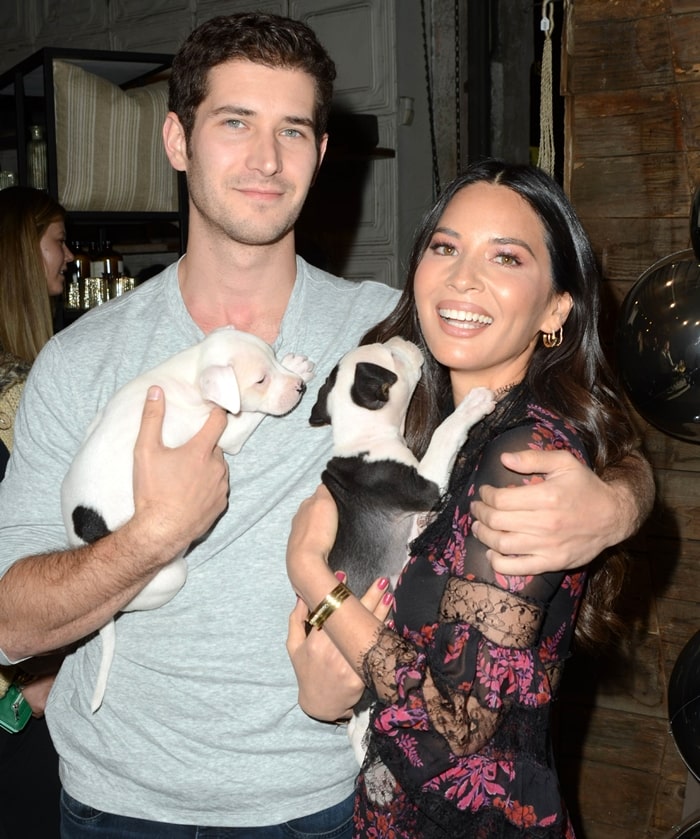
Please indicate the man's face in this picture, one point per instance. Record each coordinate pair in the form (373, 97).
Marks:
(253, 154)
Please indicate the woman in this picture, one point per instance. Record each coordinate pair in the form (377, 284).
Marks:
(33, 261)
(502, 292)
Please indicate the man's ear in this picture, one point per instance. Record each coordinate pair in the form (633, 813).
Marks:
(174, 142)
(322, 146)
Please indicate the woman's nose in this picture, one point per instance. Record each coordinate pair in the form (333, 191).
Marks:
(463, 278)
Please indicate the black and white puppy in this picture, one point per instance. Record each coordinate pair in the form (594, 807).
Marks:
(229, 368)
(378, 484)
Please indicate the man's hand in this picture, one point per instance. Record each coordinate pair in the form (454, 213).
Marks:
(37, 692)
(563, 521)
(49, 601)
(181, 491)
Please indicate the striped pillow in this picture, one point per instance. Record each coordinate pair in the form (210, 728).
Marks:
(109, 150)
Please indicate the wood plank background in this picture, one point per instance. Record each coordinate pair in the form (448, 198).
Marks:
(631, 81)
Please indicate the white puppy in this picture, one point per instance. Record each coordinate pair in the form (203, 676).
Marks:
(378, 484)
(232, 369)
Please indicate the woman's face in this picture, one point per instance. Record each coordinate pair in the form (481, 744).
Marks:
(56, 256)
(483, 288)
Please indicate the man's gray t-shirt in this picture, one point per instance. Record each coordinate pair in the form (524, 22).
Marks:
(200, 722)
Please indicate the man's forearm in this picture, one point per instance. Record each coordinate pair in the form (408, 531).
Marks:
(50, 601)
(633, 482)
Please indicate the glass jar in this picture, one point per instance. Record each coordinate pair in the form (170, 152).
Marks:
(7, 178)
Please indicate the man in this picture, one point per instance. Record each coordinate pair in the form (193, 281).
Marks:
(200, 724)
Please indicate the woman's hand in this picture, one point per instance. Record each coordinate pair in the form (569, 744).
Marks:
(328, 685)
(313, 532)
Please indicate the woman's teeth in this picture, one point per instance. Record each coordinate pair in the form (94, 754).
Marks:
(466, 320)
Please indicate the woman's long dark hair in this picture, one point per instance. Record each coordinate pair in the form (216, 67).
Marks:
(574, 379)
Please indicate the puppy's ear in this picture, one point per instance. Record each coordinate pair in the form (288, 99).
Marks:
(372, 385)
(319, 412)
(218, 384)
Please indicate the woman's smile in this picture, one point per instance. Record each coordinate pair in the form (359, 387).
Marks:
(464, 319)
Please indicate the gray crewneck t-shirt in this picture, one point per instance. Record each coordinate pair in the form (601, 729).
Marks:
(200, 722)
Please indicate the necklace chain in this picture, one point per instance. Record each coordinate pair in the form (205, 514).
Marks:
(501, 391)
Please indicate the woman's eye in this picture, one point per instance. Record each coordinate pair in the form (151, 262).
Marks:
(443, 249)
(507, 259)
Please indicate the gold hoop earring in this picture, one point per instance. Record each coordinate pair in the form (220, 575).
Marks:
(553, 339)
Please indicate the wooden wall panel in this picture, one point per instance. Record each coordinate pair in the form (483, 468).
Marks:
(621, 122)
(645, 184)
(627, 247)
(620, 55)
(596, 11)
(684, 34)
(632, 88)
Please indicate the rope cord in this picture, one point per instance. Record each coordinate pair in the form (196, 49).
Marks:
(546, 156)
(431, 112)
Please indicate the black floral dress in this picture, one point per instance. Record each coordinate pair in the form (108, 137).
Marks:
(459, 740)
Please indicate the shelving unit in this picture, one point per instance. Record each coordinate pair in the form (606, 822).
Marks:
(27, 97)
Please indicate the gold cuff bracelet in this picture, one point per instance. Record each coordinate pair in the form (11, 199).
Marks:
(328, 605)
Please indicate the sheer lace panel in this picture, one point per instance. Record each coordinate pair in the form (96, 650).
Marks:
(382, 662)
(504, 618)
(460, 718)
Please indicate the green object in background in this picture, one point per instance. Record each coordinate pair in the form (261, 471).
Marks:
(15, 711)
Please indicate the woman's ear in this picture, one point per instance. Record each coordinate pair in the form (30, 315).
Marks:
(174, 142)
(559, 312)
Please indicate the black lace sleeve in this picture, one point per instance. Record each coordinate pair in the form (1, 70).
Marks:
(469, 643)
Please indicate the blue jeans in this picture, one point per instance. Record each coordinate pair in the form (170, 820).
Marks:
(79, 821)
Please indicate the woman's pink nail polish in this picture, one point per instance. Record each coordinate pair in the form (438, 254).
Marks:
(383, 583)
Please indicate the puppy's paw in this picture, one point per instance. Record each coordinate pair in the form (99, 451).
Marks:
(475, 405)
(299, 364)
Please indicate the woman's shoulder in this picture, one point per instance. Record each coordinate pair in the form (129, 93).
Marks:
(542, 429)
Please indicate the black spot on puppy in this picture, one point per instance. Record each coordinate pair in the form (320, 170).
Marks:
(372, 384)
(89, 524)
(319, 412)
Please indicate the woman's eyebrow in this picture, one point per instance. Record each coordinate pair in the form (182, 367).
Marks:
(510, 240)
(448, 231)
